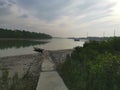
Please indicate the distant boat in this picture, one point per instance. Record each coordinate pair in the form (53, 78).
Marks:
(76, 39)
(38, 49)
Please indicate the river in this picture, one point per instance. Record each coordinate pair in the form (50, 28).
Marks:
(21, 47)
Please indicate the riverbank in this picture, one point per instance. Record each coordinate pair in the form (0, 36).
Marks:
(21, 64)
(20, 72)
(30, 63)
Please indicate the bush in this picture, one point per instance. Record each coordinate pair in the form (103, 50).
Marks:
(96, 66)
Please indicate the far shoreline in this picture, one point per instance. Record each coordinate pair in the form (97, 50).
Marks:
(25, 39)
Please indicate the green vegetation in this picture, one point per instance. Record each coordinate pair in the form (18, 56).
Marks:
(95, 66)
(15, 83)
(6, 33)
(5, 44)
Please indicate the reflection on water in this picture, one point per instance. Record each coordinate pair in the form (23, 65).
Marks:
(21, 47)
(58, 44)
(6, 44)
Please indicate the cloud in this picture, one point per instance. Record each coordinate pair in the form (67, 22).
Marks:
(5, 8)
(59, 17)
(43, 9)
(23, 16)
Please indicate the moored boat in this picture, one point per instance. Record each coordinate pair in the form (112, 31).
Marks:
(38, 49)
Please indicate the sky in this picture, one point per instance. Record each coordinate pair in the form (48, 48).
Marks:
(62, 18)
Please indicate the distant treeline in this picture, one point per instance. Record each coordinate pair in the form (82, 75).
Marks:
(7, 33)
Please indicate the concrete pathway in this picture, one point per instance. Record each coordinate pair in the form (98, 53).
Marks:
(47, 64)
(49, 79)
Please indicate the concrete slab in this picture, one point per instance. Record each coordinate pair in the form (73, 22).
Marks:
(47, 65)
(50, 81)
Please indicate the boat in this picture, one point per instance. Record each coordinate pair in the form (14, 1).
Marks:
(38, 49)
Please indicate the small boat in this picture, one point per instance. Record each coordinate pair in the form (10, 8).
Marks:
(38, 49)
(76, 39)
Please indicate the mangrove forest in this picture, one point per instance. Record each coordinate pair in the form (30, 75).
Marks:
(22, 34)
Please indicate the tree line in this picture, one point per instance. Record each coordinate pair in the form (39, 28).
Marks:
(8, 33)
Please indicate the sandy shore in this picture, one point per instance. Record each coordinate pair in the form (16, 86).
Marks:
(31, 62)
(21, 64)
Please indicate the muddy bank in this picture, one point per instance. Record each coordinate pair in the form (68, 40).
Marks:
(31, 62)
(21, 64)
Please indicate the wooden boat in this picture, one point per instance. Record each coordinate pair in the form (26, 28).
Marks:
(38, 49)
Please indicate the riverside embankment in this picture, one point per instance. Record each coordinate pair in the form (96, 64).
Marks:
(30, 63)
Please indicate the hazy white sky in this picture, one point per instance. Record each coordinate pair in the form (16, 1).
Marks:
(62, 17)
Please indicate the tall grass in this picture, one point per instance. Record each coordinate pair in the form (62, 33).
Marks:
(15, 83)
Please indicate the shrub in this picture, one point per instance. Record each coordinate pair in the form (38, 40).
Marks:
(96, 66)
